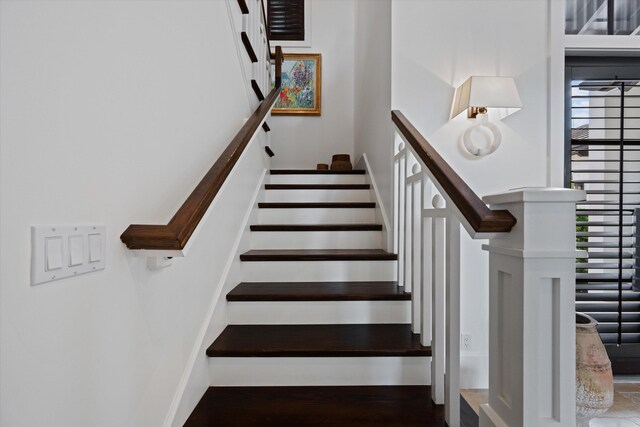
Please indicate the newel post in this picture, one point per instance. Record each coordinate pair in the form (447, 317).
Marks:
(532, 311)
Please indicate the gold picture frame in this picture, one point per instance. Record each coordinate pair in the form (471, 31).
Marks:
(301, 92)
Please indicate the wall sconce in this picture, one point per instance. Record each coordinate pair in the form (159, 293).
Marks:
(477, 95)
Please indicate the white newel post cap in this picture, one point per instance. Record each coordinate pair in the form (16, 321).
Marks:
(545, 224)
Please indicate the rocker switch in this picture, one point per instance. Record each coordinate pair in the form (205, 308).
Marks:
(53, 253)
(76, 251)
(95, 247)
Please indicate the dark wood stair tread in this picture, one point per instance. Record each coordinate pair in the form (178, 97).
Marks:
(318, 255)
(315, 172)
(318, 291)
(317, 186)
(316, 205)
(388, 406)
(354, 340)
(316, 227)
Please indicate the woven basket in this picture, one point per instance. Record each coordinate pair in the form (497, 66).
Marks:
(341, 162)
(322, 167)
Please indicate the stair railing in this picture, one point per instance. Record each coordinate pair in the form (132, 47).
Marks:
(531, 233)
(172, 239)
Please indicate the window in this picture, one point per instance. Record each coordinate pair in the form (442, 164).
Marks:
(286, 19)
(603, 158)
(289, 22)
(603, 17)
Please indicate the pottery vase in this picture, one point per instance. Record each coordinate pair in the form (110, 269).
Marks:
(594, 378)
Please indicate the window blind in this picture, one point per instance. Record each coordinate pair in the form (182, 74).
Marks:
(286, 19)
(605, 162)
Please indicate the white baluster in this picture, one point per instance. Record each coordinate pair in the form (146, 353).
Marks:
(401, 203)
(438, 304)
(408, 230)
(426, 262)
(416, 257)
(452, 296)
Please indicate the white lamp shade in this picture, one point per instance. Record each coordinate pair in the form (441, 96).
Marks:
(498, 94)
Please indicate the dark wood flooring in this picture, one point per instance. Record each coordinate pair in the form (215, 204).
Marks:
(334, 340)
(387, 406)
(316, 186)
(318, 255)
(318, 291)
(316, 172)
(316, 205)
(316, 227)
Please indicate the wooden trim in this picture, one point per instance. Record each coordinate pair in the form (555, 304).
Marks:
(177, 232)
(316, 205)
(329, 340)
(316, 172)
(243, 6)
(247, 45)
(315, 227)
(319, 291)
(256, 88)
(316, 186)
(476, 212)
(318, 255)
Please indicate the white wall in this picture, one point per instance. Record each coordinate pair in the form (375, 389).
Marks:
(304, 141)
(373, 131)
(437, 45)
(111, 113)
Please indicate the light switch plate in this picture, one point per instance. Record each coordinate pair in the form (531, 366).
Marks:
(79, 253)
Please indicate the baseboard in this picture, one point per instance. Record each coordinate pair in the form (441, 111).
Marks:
(189, 379)
(381, 214)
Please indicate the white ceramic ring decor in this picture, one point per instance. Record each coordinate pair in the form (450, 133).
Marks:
(495, 140)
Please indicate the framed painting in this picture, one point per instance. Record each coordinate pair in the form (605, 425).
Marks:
(301, 85)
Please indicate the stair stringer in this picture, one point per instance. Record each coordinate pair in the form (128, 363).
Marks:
(195, 379)
(381, 213)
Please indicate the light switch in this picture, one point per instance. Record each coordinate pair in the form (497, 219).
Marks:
(76, 251)
(59, 251)
(95, 247)
(53, 253)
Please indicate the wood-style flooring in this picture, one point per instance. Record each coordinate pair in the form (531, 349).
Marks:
(387, 406)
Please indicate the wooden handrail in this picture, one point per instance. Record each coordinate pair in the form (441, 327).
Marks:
(475, 211)
(176, 234)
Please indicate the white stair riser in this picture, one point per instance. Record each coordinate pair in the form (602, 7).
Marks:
(318, 216)
(316, 239)
(318, 312)
(318, 271)
(306, 195)
(317, 179)
(319, 371)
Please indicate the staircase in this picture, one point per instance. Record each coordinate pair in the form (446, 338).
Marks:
(319, 332)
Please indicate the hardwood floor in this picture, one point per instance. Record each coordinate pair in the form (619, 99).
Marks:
(318, 291)
(316, 227)
(316, 205)
(318, 255)
(387, 406)
(333, 340)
